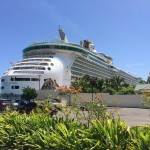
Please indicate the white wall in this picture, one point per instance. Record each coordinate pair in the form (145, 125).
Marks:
(114, 100)
(133, 101)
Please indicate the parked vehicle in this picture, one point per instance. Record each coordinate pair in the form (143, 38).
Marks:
(5, 103)
(55, 102)
(25, 106)
(16, 103)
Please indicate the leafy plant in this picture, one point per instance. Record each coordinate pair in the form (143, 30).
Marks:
(29, 93)
(146, 99)
(92, 128)
(110, 134)
(141, 137)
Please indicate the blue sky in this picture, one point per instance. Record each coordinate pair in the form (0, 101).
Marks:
(118, 28)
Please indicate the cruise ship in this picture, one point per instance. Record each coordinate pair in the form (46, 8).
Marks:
(48, 65)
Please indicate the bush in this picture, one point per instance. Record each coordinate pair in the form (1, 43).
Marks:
(28, 94)
(40, 131)
(93, 129)
(146, 99)
(141, 137)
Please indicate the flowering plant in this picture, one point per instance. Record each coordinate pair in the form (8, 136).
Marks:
(65, 90)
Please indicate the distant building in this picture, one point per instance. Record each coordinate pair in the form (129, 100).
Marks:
(142, 88)
(148, 78)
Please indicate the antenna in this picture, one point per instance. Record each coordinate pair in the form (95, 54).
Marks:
(62, 35)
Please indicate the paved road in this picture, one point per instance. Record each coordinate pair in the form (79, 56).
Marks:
(134, 116)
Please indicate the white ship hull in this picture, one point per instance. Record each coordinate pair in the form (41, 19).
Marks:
(18, 78)
(48, 65)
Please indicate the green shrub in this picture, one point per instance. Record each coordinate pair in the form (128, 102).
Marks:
(34, 131)
(141, 137)
(40, 131)
(111, 134)
(146, 99)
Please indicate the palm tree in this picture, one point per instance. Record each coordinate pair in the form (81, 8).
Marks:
(107, 83)
(117, 83)
(86, 77)
(148, 80)
(100, 85)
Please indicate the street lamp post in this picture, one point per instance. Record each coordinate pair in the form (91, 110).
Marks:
(92, 82)
(39, 81)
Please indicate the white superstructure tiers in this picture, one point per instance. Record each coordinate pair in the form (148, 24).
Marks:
(47, 65)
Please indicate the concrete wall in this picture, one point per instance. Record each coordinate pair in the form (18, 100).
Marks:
(43, 94)
(133, 101)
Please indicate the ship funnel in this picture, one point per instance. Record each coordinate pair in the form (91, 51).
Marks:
(62, 35)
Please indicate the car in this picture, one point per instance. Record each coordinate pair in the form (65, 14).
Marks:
(16, 103)
(56, 102)
(26, 106)
(6, 103)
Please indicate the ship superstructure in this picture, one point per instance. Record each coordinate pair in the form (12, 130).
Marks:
(47, 65)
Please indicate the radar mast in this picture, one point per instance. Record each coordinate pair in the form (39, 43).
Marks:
(62, 35)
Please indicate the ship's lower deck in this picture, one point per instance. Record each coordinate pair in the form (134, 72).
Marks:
(61, 67)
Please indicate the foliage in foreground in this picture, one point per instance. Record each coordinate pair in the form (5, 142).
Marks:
(146, 99)
(141, 137)
(40, 131)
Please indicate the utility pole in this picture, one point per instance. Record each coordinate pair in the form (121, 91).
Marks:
(39, 81)
(92, 81)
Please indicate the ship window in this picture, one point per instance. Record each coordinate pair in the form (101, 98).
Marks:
(47, 60)
(34, 63)
(48, 68)
(22, 79)
(34, 79)
(16, 68)
(2, 80)
(2, 87)
(36, 68)
(44, 64)
(12, 79)
(52, 64)
(40, 68)
(24, 60)
(15, 87)
(29, 72)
